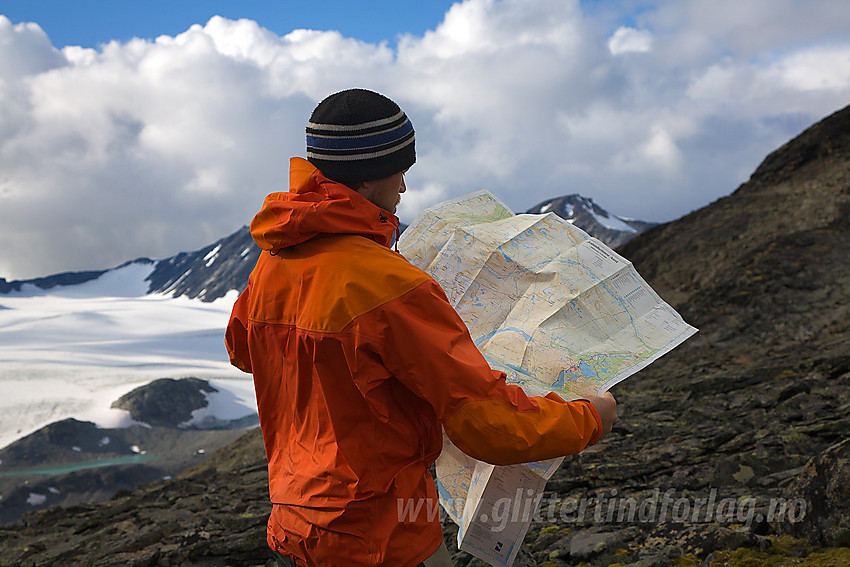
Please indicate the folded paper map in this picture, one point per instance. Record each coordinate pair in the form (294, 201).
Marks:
(553, 308)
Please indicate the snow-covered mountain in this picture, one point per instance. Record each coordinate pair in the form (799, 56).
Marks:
(593, 219)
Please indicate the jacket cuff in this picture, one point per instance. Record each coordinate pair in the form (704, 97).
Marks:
(598, 419)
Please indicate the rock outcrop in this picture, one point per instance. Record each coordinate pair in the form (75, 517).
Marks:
(825, 487)
(166, 402)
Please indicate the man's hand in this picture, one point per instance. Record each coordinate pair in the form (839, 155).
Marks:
(606, 405)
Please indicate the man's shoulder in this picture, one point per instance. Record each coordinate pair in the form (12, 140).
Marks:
(325, 284)
(364, 258)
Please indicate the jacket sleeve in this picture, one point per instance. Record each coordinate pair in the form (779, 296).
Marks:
(236, 334)
(428, 348)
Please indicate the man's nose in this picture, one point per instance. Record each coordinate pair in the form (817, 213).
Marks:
(402, 188)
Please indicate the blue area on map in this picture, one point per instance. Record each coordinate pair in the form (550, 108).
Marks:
(561, 382)
(496, 364)
(444, 493)
(585, 370)
(489, 336)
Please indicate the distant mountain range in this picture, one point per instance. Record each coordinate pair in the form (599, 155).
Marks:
(212, 271)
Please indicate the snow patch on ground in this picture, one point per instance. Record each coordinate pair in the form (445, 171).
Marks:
(36, 499)
(233, 400)
(612, 222)
(212, 255)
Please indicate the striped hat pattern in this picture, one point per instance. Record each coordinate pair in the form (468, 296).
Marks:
(359, 135)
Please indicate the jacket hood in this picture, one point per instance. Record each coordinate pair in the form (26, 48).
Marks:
(317, 205)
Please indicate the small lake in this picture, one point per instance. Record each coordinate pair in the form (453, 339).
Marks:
(62, 469)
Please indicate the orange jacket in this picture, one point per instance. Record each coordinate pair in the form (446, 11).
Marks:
(358, 360)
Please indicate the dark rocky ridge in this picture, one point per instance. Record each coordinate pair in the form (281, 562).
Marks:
(753, 410)
(208, 273)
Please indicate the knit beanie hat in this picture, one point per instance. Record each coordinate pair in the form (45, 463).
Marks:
(359, 135)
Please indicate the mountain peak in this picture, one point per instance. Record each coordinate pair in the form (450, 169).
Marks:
(818, 146)
(593, 219)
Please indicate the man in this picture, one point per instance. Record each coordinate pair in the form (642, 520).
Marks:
(359, 361)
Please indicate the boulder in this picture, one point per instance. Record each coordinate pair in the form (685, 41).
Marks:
(824, 484)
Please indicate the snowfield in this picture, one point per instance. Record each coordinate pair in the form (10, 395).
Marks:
(71, 351)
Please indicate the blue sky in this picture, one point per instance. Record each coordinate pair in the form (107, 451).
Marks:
(112, 150)
(92, 22)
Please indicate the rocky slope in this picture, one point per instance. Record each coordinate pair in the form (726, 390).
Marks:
(742, 431)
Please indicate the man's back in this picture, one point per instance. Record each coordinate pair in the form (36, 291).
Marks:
(345, 441)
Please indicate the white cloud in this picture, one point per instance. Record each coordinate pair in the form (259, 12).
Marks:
(821, 69)
(817, 77)
(661, 150)
(147, 148)
(415, 200)
(630, 40)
